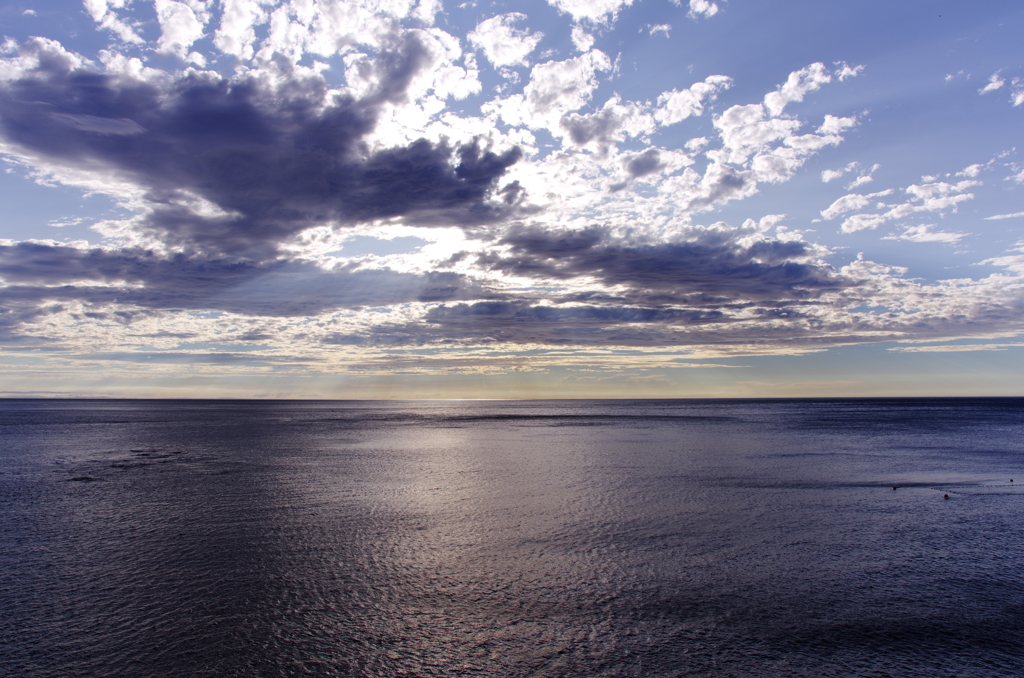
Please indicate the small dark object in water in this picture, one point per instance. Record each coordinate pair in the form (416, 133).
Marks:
(894, 487)
(945, 496)
(83, 478)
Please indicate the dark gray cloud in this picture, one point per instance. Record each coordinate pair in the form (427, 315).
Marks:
(601, 126)
(714, 271)
(522, 322)
(276, 160)
(642, 164)
(37, 274)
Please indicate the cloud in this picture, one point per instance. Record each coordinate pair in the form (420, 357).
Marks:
(994, 82)
(1015, 215)
(104, 13)
(851, 202)
(326, 122)
(702, 8)
(930, 196)
(596, 11)
(582, 40)
(39, 273)
(237, 31)
(719, 263)
(265, 163)
(556, 88)
(612, 123)
(675, 106)
(925, 233)
(502, 43)
(954, 348)
(1017, 92)
(797, 86)
(180, 25)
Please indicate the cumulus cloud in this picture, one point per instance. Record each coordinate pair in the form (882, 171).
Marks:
(702, 8)
(718, 263)
(556, 88)
(676, 106)
(797, 86)
(502, 43)
(597, 11)
(612, 123)
(931, 196)
(582, 40)
(271, 163)
(181, 24)
(105, 14)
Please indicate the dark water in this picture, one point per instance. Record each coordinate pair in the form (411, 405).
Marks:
(571, 538)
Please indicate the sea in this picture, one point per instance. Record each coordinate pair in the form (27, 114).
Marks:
(647, 538)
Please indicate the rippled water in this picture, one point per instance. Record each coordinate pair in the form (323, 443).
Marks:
(568, 538)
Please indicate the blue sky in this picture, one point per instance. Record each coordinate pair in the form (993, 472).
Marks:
(574, 198)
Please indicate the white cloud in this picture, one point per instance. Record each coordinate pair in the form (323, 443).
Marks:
(846, 71)
(745, 129)
(851, 202)
(1015, 215)
(502, 43)
(859, 181)
(994, 82)
(582, 40)
(924, 233)
(104, 13)
(675, 106)
(796, 87)
(836, 125)
(702, 8)
(181, 24)
(555, 89)
(664, 29)
(597, 11)
(1017, 92)
(697, 143)
(832, 175)
(932, 196)
(237, 30)
(971, 171)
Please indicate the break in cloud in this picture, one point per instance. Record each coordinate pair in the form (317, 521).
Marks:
(553, 210)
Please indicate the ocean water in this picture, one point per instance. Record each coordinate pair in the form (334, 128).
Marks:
(512, 538)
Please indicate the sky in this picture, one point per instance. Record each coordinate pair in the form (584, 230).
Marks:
(540, 199)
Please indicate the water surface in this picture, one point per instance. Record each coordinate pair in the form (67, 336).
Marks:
(512, 538)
